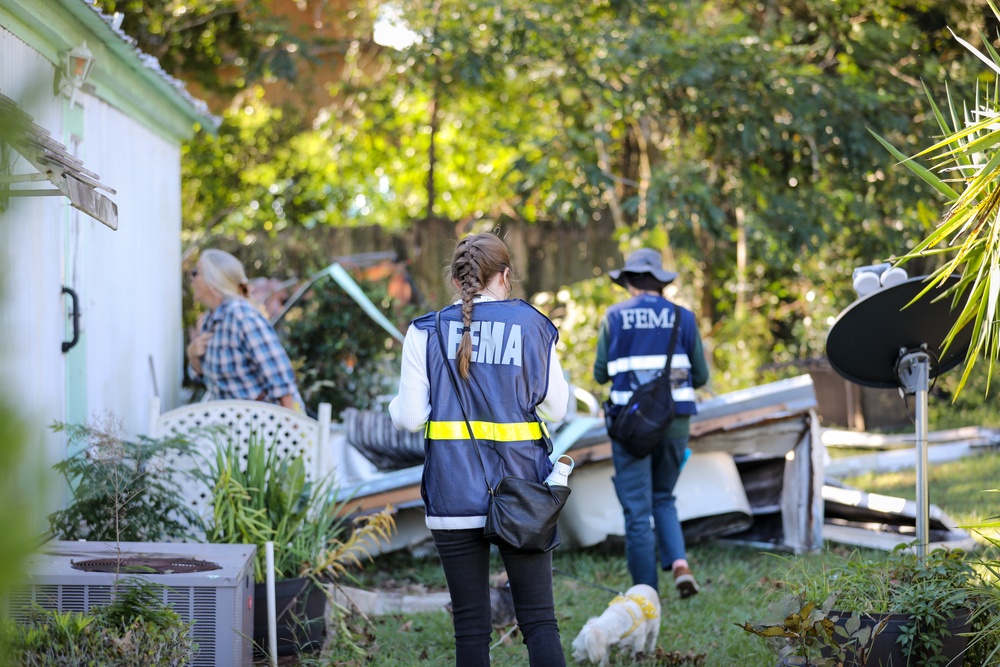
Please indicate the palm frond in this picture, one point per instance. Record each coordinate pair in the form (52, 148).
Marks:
(926, 175)
(965, 170)
(989, 61)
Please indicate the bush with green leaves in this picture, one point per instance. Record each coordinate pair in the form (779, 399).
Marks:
(577, 311)
(984, 642)
(122, 490)
(812, 634)
(343, 357)
(136, 630)
(932, 589)
(259, 495)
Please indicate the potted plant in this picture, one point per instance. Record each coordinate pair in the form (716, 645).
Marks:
(903, 609)
(984, 640)
(259, 496)
(808, 635)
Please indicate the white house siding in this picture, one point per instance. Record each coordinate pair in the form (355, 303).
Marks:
(129, 133)
(32, 316)
(133, 275)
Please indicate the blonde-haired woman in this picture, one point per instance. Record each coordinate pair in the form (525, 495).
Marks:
(236, 352)
(503, 352)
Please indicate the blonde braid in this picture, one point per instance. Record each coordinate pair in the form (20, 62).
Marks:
(468, 280)
(477, 259)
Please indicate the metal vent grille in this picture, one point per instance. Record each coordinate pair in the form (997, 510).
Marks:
(71, 598)
(205, 633)
(18, 601)
(61, 598)
(133, 565)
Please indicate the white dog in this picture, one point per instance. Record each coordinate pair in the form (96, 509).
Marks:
(631, 622)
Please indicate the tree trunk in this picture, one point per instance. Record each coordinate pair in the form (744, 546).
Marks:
(741, 263)
(610, 193)
(641, 129)
(431, 156)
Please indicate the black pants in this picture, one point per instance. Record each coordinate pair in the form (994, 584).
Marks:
(465, 556)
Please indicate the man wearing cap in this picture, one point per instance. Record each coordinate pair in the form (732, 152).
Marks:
(631, 351)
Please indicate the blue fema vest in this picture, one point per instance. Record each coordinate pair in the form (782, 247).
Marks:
(638, 334)
(508, 378)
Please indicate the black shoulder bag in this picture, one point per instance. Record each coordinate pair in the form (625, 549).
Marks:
(639, 424)
(521, 514)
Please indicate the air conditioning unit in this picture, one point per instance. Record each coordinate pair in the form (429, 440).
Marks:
(210, 584)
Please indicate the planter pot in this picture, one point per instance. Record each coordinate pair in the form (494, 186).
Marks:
(792, 661)
(884, 651)
(300, 610)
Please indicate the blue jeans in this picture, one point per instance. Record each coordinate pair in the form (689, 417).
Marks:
(465, 556)
(645, 488)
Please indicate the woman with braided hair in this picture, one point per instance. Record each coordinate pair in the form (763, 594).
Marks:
(509, 378)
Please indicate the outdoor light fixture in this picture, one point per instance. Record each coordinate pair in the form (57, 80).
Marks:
(76, 68)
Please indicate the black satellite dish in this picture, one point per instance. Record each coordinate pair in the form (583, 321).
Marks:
(865, 342)
(888, 340)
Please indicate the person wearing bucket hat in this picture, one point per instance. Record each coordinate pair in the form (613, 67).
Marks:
(631, 351)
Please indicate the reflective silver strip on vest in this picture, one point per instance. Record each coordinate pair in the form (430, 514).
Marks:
(649, 362)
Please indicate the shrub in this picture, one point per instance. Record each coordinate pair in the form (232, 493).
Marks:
(136, 630)
(932, 589)
(343, 357)
(263, 496)
(122, 490)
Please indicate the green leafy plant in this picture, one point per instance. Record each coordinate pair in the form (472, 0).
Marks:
(122, 490)
(261, 496)
(577, 311)
(137, 629)
(814, 634)
(931, 590)
(344, 358)
(984, 641)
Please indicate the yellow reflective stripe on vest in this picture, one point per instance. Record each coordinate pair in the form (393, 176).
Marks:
(486, 431)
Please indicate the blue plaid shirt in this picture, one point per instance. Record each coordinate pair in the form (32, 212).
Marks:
(244, 358)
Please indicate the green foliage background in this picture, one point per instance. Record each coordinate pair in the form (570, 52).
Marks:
(342, 356)
(733, 137)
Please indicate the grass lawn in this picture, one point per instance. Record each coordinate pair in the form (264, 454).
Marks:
(737, 584)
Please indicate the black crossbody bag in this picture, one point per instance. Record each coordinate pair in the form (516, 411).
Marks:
(521, 514)
(639, 424)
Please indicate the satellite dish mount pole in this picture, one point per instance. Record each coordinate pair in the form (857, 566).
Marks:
(894, 338)
(913, 373)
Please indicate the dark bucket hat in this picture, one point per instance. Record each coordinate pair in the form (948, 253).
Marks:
(644, 260)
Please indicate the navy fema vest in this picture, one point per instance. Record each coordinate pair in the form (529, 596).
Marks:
(508, 378)
(638, 334)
